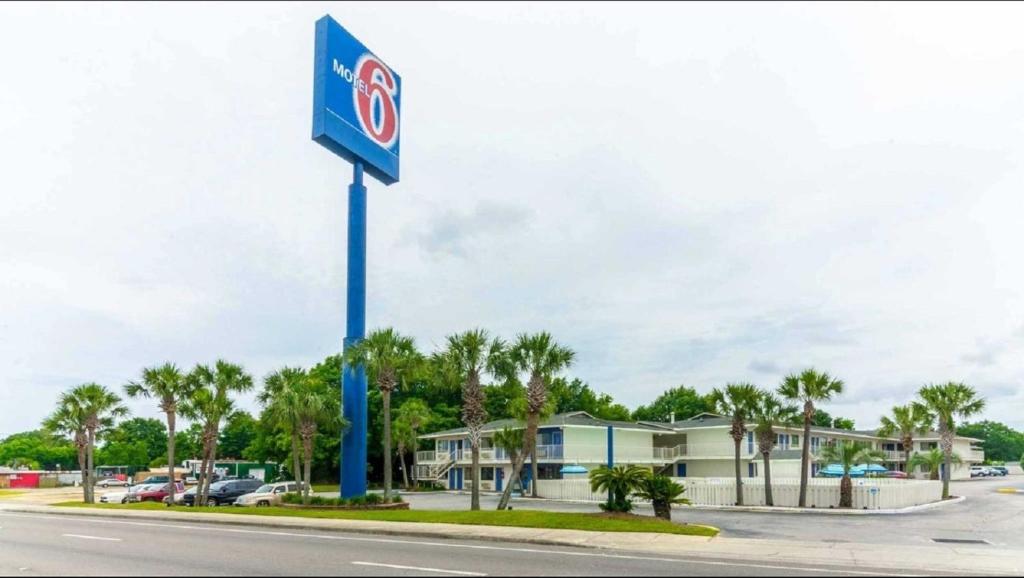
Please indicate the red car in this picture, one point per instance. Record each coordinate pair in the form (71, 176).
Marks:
(896, 474)
(159, 494)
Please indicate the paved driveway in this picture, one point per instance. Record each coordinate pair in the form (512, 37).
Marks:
(984, 515)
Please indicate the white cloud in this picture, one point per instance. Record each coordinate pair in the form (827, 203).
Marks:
(683, 193)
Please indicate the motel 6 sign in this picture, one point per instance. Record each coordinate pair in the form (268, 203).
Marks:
(356, 102)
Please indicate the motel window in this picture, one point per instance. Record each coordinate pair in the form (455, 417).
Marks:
(794, 441)
(751, 470)
(549, 471)
(487, 474)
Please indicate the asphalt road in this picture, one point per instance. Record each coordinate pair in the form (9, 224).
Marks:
(984, 515)
(66, 545)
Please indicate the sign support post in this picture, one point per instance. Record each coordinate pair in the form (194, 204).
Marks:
(353, 387)
(356, 110)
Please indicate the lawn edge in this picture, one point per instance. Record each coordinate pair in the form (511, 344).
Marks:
(538, 536)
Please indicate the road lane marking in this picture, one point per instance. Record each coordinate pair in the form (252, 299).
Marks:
(84, 537)
(419, 569)
(449, 545)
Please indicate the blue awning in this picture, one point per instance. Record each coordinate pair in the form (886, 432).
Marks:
(573, 469)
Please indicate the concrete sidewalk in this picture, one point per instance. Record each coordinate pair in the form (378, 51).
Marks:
(947, 559)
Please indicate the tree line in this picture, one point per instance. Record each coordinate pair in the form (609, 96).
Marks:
(475, 377)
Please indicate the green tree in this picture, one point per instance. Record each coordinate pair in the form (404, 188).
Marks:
(620, 482)
(575, 395)
(769, 412)
(662, 493)
(738, 402)
(238, 434)
(389, 358)
(904, 422)
(931, 462)
(312, 405)
(417, 415)
(808, 388)
(150, 434)
(539, 356)
(470, 354)
(948, 402)
(210, 403)
(40, 447)
(404, 440)
(1000, 442)
(848, 455)
(274, 385)
(683, 402)
(97, 407)
(510, 439)
(69, 419)
(168, 385)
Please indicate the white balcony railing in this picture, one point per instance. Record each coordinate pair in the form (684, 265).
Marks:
(426, 456)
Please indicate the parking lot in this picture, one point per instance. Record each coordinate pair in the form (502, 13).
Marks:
(985, 515)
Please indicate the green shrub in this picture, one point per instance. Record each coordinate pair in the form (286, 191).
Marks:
(396, 499)
(374, 499)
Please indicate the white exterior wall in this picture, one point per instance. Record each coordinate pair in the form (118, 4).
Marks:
(632, 446)
(714, 468)
(585, 445)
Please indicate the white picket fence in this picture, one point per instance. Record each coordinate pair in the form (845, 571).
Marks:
(868, 493)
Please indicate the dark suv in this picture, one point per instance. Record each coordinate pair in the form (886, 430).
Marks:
(225, 493)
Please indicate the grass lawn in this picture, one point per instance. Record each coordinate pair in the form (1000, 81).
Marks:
(596, 522)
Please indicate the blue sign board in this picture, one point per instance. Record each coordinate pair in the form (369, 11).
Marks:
(356, 102)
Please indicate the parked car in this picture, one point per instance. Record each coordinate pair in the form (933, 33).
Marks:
(226, 492)
(179, 497)
(267, 494)
(157, 493)
(980, 472)
(108, 482)
(999, 470)
(896, 474)
(157, 480)
(127, 495)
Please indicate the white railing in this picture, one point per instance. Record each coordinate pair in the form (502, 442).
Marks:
(717, 449)
(426, 457)
(871, 494)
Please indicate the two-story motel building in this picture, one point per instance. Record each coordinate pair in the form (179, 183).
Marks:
(699, 447)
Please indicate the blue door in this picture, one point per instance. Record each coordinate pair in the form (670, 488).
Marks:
(499, 476)
(451, 479)
(680, 470)
(459, 475)
(750, 442)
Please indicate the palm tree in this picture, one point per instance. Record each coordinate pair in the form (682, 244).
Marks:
(402, 432)
(809, 387)
(542, 358)
(768, 413)
(906, 420)
(416, 414)
(848, 455)
(96, 407)
(738, 401)
(209, 403)
(931, 462)
(470, 354)
(511, 440)
(273, 385)
(620, 482)
(69, 420)
(662, 492)
(168, 385)
(390, 358)
(949, 401)
(312, 405)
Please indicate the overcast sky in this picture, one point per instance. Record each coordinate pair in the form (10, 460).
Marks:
(684, 194)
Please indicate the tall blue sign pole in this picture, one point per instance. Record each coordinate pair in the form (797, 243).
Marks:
(356, 112)
(353, 386)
